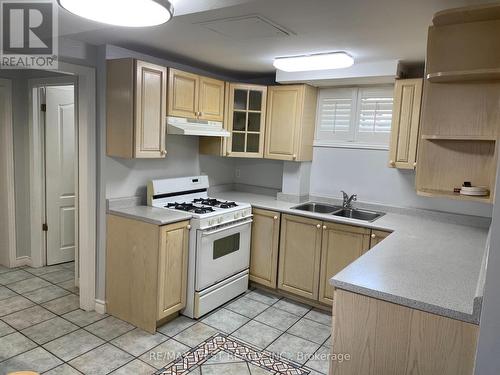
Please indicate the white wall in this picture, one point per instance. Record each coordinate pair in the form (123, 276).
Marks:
(258, 172)
(365, 173)
(125, 178)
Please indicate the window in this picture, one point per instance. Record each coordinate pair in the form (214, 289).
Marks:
(354, 117)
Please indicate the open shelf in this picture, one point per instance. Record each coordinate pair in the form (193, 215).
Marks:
(452, 195)
(485, 138)
(464, 75)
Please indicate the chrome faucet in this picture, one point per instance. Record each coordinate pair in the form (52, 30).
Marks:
(347, 201)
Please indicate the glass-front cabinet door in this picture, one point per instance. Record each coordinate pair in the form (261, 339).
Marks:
(246, 120)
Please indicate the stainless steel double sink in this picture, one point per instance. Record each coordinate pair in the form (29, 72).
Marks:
(339, 211)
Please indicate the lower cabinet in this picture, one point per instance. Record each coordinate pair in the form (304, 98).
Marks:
(146, 270)
(172, 268)
(389, 339)
(377, 237)
(300, 253)
(341, 245)
(264, 247)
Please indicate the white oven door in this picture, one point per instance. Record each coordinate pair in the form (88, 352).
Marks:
(221, 253)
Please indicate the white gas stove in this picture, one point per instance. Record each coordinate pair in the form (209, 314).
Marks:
(219, 241)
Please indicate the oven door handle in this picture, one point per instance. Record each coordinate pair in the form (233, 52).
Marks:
(210, 232)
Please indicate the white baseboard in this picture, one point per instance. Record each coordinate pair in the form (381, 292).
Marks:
(100, 306)
(22, 261)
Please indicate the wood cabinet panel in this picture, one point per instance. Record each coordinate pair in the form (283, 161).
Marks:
(389, 339)
(172, 268)
(183, 93)
(291, 116)
(283, 120)
(300, 252)
(151, 91)
(131, 271)
(136, 97)
(211, 99)
(264, 247)
(405, 123)
(341, 245)
(146, 270)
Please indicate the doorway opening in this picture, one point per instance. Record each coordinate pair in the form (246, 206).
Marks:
(28, 181)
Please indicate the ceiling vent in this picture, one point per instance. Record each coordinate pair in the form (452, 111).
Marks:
(246, 27)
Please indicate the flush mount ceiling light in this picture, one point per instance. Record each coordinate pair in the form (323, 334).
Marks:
(320, 61)
(132, 13)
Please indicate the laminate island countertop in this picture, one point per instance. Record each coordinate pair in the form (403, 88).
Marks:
(152, 215)
(431, 261)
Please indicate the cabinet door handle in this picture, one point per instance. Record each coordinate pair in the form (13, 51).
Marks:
(188, 227)
(318, 226)
(294, 156)
(163, 152)
(275, 218)
(374, 235)
(392, 163)
(324, 227)
(415, 165)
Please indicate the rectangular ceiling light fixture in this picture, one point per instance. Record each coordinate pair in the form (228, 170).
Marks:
(319, 61)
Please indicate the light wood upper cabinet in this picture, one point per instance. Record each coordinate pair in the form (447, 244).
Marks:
(291, 114)
(136, 98)
(172, 268)
(246, 120)
(195, 96)
(341, 245)
(146, 270)
(264, 247)
(405, 123)
(300, 253)
(183, 93)
(211, 98)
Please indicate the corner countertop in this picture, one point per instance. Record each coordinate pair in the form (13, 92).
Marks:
(431, 262)
(152, 215)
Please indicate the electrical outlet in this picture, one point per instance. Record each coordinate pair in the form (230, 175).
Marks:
(237, 173)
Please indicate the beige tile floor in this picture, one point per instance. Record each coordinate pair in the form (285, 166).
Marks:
(43, 329)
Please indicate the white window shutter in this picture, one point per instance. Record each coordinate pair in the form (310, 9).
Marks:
(374, 115)
(336, 112)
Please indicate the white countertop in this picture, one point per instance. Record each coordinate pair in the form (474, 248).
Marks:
(152, 215)
(429, 262)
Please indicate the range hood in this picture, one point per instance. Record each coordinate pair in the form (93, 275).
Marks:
(187, 126)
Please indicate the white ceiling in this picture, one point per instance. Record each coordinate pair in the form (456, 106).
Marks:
(370, 30)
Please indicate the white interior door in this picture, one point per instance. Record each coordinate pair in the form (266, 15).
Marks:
(60, 147)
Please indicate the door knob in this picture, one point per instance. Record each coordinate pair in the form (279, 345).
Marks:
(318, 226)
(324, 227)
(392, 163)
(188, 227)
(374, 235)
(275, 218)
(163, 152)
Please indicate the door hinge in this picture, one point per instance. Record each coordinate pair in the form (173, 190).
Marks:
(45, 227)
(43, 107)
